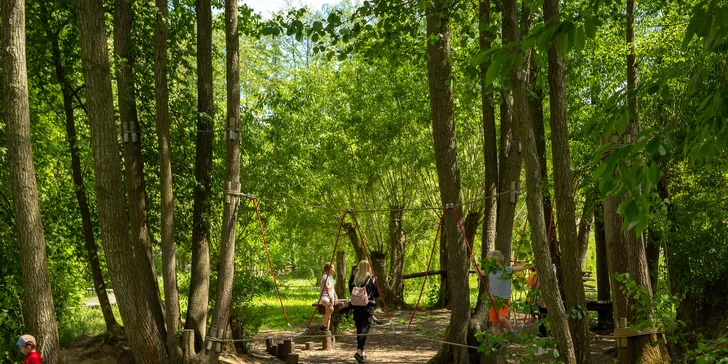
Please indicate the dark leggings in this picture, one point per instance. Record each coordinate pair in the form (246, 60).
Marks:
(363, 321)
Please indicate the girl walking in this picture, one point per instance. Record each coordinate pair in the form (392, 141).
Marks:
(363, 290)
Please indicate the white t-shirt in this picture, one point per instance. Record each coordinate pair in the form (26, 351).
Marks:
(328, 282)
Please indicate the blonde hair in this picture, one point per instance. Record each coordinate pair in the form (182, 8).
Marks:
(496, 254)
(363, 275)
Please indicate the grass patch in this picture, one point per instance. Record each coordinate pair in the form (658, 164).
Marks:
(83, 322)
(297, 296)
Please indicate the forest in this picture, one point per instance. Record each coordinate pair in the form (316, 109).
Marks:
(175, 174)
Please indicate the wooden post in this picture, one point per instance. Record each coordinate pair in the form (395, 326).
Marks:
(218, 345)
(274, 350)
(341, 276)
(624, 341)
(309, 345)
(281, 354)
(327, 341)
(288, 346)
(292, 358)
(268, 344)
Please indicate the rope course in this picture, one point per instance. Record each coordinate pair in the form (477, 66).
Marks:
(448, 208)
(270, 264)
(321, 291)
(338, 209)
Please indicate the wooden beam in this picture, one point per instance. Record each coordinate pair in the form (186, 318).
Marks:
(431, 273)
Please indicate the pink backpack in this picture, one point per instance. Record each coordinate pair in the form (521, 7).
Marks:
(359, 296)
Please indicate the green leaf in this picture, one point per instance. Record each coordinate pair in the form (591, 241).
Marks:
(590, 28)
(623, 122)
(562, 45)
(483, 56)
(580, 40)
(599, 154)
(507, 64)
(662, 150)
(529, 42)
(493, 71)
(600, 171)
(544, 41)
(653, 145)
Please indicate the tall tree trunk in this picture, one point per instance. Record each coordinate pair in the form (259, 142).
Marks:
(490, 147)
(559, 324)
(200, 275)
(77, 173)
(652, 254)
(169, 257)
(571, 252)
(133, 162)
(226, 266)
(490, 158)
(443, 299)
(626, 253)
(509, 177)
(146, 340)
(354, 239)
(605, 318)
(397, 241)
(655, 236)
(625, 250)
(585, 223)
(37, 299)
(535, 105)
(439, 72)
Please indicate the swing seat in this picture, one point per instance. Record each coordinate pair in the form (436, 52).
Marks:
(343, 303)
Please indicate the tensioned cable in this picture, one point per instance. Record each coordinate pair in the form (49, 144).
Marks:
(398, 333)
(338, 209)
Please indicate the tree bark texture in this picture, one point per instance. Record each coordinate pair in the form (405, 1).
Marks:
(625, 250)
(439, 72)
(585, 223)
(37, 300)
(169, 257)
(354, 239)
(559, 324)
(134, 163)
(145, 338)
(226, 265)
(490, 157)
(510, 160)
(340, 286)
(605, 318)
(656, 236)
(394, 293)
(77, 173)
(535, 105)
(443, 299)
(626, 254)
(490, 147)
(564, 195)
(200, 275)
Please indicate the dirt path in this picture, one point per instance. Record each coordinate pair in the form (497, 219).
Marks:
(406, 347)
